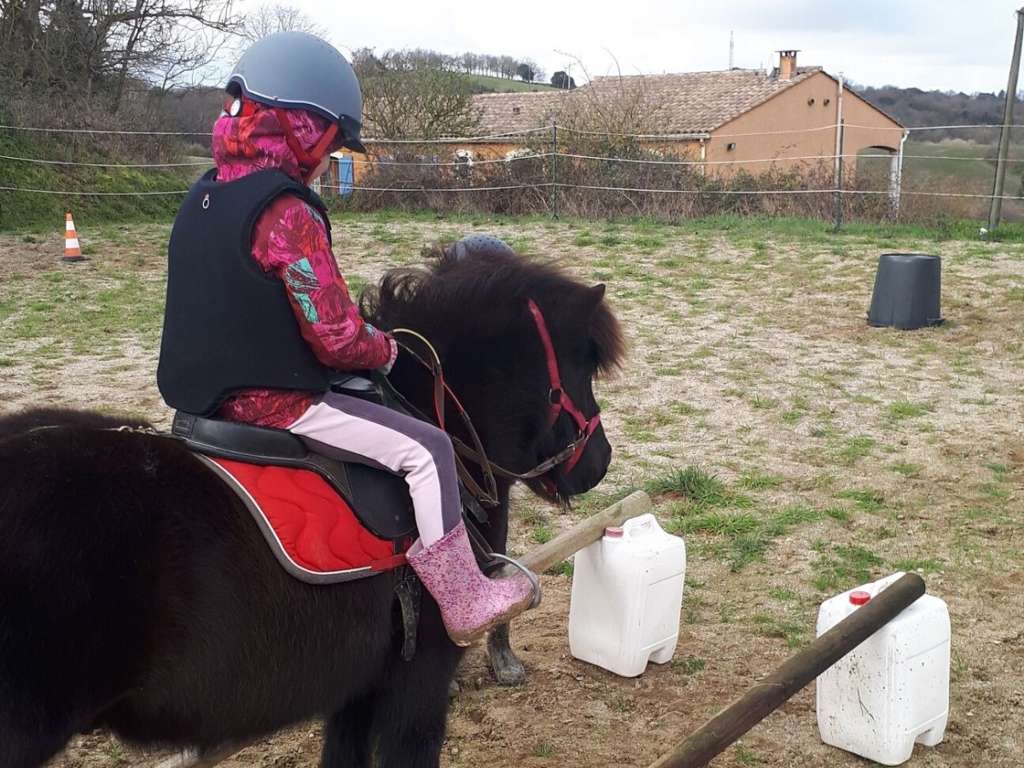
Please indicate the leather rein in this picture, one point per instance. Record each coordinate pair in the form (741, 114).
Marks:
(559, 400)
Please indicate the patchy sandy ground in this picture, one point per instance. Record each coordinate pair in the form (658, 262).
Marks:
(845, 453)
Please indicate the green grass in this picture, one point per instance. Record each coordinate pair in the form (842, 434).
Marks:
(838, 514)
(564, 568)
(747, 535)
(543, 749)
(926, 566)
(904, 409)
(719, 523)
(907, 469)
(770, 626)
(649, 242)
(690, 665)
(754, 480)
(734, 228)
(488, 84)
(844, 567)
(542, 533)
(866, 499)
(745, 756)
(23, 210)
(67, 305)
(697, 486)
(855, 448)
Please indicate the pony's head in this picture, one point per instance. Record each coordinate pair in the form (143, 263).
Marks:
(487, 313)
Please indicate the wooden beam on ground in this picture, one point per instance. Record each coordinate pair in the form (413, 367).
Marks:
(564, 545)
(769, 694)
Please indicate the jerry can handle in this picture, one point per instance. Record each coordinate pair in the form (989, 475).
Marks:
(643, 525)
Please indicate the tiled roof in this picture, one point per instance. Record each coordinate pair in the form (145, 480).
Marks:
(690, 102)
(509, 112)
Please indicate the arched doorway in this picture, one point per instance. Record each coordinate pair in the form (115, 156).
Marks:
(879, 168)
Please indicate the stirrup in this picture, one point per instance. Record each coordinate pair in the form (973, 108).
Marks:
(534, 580)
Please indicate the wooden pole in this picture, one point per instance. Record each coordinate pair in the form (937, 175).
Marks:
(585, 532)
(839, 176)
(769, 694)
(564, 545)
(995, 211)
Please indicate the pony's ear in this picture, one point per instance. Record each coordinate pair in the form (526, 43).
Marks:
(592, 298)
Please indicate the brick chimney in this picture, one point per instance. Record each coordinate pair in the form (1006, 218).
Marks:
(787, 64)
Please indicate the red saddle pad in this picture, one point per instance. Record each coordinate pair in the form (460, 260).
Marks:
(311, 529)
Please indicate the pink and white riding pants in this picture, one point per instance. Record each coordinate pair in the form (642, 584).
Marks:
(349, 429)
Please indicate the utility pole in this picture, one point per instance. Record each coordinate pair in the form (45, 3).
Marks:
(996, 210)
(732, 49)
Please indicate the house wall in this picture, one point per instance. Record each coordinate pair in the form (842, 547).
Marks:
(770, 143)
(771, 135)
(363, 164)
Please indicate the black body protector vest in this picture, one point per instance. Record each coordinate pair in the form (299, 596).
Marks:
(228, 325)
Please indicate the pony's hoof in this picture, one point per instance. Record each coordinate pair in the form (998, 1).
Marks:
(505, 665)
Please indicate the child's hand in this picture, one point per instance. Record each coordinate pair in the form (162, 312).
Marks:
(386, 368)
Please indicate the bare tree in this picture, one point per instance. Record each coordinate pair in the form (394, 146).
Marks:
(408, 99)
(84, 47)
(268, 19)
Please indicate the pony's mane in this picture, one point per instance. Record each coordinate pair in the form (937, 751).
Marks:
(485, 289)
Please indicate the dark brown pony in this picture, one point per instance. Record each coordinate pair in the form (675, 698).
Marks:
(136, 593)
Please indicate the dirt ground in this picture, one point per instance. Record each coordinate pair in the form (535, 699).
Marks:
(830, 452)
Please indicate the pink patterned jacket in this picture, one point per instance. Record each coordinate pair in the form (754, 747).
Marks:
(290, 240)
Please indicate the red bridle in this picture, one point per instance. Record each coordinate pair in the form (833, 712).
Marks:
(559, 399)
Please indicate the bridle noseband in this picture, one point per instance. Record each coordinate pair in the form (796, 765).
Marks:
(558, 399)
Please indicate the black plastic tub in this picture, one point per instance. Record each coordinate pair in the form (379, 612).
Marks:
(907, 291)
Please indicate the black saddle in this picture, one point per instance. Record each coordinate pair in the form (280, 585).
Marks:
(379, 499)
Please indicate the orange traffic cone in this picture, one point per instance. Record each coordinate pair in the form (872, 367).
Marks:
(72, 250)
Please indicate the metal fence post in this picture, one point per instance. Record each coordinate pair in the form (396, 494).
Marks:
(553, 169)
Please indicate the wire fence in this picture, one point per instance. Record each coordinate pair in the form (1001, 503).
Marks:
(562, 169)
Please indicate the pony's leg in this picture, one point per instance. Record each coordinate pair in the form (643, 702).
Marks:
(505, 665)
(29, 745)
(347, 736)
(409, 723)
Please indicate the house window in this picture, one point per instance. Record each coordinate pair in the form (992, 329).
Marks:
(810, 102)
(730, 146)
(516, 110)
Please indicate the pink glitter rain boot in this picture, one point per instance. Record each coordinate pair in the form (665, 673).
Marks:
(470, 603)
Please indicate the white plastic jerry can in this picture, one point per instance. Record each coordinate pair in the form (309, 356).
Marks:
(892, 691)
(627, 593)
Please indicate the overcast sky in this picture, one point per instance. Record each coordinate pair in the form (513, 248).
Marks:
(943, 44)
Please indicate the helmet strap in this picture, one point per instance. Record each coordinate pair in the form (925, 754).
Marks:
(308, 160)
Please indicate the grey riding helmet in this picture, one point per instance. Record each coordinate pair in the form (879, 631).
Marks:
(471, 244)
(296, 70)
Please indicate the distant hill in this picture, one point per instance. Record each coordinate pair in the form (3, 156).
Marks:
(914, 108)
(488, 84)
